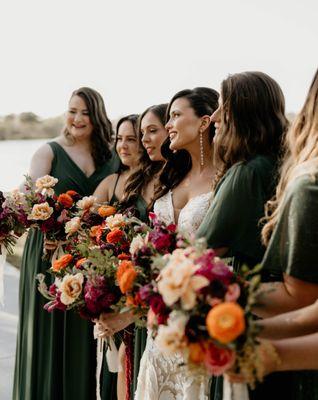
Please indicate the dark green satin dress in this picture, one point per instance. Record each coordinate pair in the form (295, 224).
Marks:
(232, 220)
(293, 250)
(56, 352)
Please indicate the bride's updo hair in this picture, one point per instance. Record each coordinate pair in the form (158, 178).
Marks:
(204, 101)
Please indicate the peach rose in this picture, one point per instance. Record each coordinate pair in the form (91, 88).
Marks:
(71, 288)
(115, 221)
(41, 212)
(137, 244)
(225, 322)
(179, 282)
(73, 225)
(62, 262)
(45, 184)
(171, 338)
(106, 211)
(86, 203)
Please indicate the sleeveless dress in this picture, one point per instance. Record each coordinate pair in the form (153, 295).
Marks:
(161, 377)
(56, 352)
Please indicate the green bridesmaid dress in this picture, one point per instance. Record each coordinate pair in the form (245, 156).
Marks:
(109, 379)
(293, 250)
(232, 220)
(56, 352)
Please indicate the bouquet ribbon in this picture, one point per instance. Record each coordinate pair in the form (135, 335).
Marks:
(235, 391)
(111, 358)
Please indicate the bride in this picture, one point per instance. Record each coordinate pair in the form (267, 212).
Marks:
(183, 198)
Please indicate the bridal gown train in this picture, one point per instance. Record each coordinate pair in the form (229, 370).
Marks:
(162, 377)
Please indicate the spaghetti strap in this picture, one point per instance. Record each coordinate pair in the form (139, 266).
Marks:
(115, 186)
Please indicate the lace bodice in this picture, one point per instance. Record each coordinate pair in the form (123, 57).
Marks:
(163, 377)
(190, 216)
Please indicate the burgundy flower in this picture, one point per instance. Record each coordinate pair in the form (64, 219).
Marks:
(161, 241)
(157, 304)
(218, 360)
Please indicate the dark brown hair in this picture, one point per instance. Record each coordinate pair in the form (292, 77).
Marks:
(204, 101)
(102, 134)
(133, 119)
(148, 169)
(253, 120)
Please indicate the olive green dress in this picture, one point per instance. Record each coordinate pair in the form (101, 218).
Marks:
(293, 250)
(56, 352)
(232, 220)
(140, 334)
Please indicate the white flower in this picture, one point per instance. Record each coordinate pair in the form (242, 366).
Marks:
(73, 225)
(71, 288)
(136, 244)
(178, 281)
(14, 199)
(115, 221)
(41, 212)
(45, 184)
(171, 338)
(86, 203)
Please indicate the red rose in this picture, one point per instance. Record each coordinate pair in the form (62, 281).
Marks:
(218, 360)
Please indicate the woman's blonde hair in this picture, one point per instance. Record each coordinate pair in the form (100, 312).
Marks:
(301, 156)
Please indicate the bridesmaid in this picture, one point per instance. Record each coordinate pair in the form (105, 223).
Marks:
(291, 233)
(250, 123)
(138, 144)
(55, 354)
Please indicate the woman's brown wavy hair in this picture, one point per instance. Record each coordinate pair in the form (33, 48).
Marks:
(148, 169)
(301, 156)
(102, 134)
(253, 120)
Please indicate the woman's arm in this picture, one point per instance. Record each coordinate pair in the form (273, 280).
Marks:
(41, 163)
(295, 323)
(281, 297)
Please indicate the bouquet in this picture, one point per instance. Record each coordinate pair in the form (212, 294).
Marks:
(13, 219)
(201, 309)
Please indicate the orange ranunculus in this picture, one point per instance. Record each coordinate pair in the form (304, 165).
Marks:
(196, 352)
(94, 230)
(106, 211)
(225, 322)
(123, 256)
(71, 193)
(66, 200)
(127, 280)
(62, 262)
(114, 236)
(80, 262)
(122, 268)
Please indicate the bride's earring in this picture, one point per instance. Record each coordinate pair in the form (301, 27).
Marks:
(201, 150)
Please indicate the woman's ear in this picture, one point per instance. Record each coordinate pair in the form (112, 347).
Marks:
(205, 122)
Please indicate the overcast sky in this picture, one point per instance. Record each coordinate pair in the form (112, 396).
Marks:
(140, 52)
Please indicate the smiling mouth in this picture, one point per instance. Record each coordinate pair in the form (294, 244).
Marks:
(172, 135)
(79, 126)
(149, 149)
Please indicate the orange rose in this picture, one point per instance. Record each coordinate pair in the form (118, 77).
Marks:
(225, 322)
(114, 236)
(123, 256)
(196, 353)
(106, 211)
(80, 262)
(62, 262)
(66, 200)
(71, 193)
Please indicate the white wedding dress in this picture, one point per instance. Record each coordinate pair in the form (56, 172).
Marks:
(162, 377)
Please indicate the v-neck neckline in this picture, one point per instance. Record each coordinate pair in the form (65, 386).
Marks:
(76, 165)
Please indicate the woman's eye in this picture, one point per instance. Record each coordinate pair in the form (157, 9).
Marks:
(71, 112)
(153, 130)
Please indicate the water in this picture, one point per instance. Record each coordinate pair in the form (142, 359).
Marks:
(15, 157)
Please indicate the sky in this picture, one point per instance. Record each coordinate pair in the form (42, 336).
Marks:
(137, 53)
